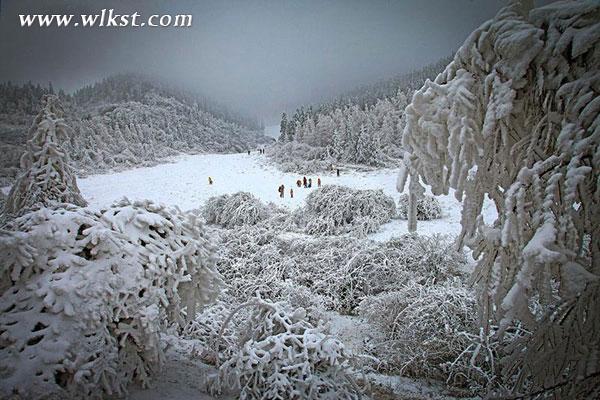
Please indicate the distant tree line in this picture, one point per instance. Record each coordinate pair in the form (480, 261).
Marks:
(363, 126)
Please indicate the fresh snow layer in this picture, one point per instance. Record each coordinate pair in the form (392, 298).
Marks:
(184, 183)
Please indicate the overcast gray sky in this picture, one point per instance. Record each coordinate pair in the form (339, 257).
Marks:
(259, 56)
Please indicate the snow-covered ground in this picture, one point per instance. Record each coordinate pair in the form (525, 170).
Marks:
(184, 183)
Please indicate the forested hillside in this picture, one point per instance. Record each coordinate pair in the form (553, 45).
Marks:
(363, 126)
(121, 122)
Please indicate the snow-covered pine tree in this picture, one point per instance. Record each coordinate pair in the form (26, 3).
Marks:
(367, 148)
(299, 132)
(291, 130)
(309, 132)
(47, 176)
(516, 116)
(283, 128)
(324, 129)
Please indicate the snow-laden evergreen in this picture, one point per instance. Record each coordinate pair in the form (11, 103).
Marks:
(47, 177)
(515, 116)
(85, 295)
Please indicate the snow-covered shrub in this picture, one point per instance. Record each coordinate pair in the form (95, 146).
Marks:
(85, 293)
(240, 208)
(480, 365)
(218, 344)
(300, 296)
(339, 271)
(206, 326)
(371, 270)
(250, 261)
(316, 261)
(256, 259)
(384, 267)
(428, 207)
(421, 327)
(335, 210)
(515, 116)
(428, 258)
(47, 176)
(282, 356)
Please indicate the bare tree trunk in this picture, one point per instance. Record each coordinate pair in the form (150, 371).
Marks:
(412, 203)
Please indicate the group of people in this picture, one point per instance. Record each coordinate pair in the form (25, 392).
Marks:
(260, 151)
(306, 182)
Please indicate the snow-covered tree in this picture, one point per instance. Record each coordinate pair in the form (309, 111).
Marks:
(324, 130)
(516, 116)
(367, 146)
(47, 176)
(283, 128)
(85, 294)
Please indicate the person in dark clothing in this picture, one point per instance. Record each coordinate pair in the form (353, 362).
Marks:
(309, 182)
(281, 191)
(248, 152)
(319, 182)
(291, 193)
(210, 181)
(338, 172)
(299, 183)
(305, 181)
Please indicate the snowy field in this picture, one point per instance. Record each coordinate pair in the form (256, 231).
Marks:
(184, 183)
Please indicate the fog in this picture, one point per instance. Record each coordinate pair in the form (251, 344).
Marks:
(260, 57)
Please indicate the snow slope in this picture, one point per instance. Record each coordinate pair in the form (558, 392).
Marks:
(184, 183)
